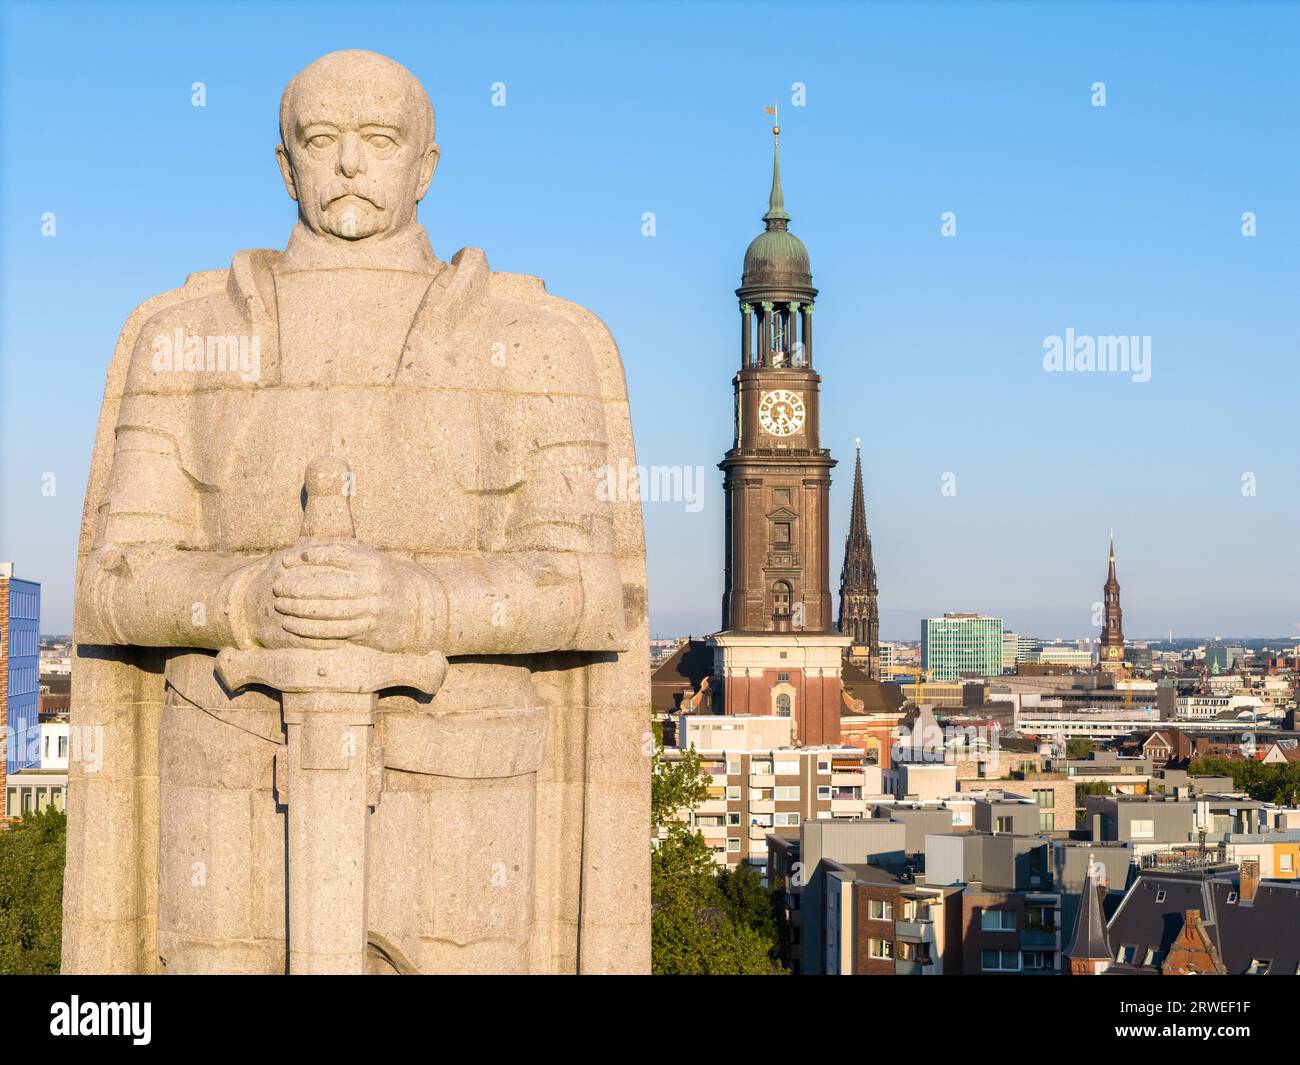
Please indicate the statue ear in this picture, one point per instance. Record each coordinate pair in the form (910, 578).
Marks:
(286, 171)
(427, 167)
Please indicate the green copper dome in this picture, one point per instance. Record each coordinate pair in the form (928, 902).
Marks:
(776, 256)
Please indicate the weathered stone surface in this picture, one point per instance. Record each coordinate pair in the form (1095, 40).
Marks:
(369, 480)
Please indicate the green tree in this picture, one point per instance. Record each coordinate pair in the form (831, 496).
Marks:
(31, 893)
(1079, 746)
(701, 924)
(1087, 787)
(1277, 783)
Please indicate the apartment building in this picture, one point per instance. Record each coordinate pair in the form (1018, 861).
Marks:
(802, 865)
(1010, 908)
(759, 784)
(879, 922)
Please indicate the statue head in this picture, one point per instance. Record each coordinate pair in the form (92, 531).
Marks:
(356, 145)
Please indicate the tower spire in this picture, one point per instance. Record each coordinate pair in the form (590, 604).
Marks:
(1112, 633)
(859, 612)
(776, 218)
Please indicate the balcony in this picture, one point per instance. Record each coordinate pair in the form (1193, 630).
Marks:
(712, 806)
(762, 806)
(915, 931)
(762, 780)
(848, 780)
(759, 831)
(712, 831)
(913, 968)
(844, 807)
(1039, 938)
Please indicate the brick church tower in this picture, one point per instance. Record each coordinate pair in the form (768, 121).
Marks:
(778, 652)
(1111, 652)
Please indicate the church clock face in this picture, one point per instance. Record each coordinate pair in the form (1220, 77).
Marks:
(780, 412)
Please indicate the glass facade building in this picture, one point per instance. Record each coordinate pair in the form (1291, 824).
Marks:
(20, 650)
(958, 644)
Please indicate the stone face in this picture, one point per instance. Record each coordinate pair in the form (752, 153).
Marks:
(369, 481)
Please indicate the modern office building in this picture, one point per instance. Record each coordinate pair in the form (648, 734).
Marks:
(20, 679)
(961, 644)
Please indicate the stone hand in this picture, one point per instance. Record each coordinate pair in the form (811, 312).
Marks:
(336, 593)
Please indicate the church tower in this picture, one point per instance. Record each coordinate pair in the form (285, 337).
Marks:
(859, 614)
(776, 475)
(1112, 633)
(778, 651)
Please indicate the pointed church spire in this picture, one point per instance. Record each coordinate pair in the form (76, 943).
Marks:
(776, 218)
(859, 612)
(1089, 949)
(1112, 631)
(858, 515)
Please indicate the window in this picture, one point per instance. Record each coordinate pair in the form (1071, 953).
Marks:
(1142, 829)
(781, 598)
(783, 678)
(781, 532)
(733, 766)
(1045, 796)
(998, 921)
(1126, 954)
(1000, 961)
(789, 794)
(1259, 966)
(788, 820)
(1232, 897)
(1037, 959)
(63, 746)
(733, 819)
(1154, 958)
(733, 792)
(783, 705)
(1003, 824)
(733, 846)
(823, 766)
(823, 791)
(780, 496)
(880, 910)
(787, 769)
(1046, 820)
(11, 802)
(1286, 863)
(880, 949)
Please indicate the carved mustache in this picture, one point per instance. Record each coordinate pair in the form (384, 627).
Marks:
(334, 195)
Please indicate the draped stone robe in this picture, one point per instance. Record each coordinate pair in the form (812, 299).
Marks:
(478, 415)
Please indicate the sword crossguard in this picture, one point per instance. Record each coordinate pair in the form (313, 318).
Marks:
(344, 670)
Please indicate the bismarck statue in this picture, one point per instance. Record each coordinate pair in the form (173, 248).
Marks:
(361, 663)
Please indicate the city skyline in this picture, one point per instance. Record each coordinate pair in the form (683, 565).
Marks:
(933, 346)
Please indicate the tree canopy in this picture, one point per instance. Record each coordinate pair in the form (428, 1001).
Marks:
(31, 893)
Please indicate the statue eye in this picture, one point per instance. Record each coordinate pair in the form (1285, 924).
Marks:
(380, 140)
(321, 140)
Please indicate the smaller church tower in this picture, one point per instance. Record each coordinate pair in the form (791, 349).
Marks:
(1089, 951)
(1112, 632)
(859, 614)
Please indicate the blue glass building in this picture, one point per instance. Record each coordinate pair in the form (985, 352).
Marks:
(20, 647)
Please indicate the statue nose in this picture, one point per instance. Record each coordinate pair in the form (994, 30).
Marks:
(351, 158)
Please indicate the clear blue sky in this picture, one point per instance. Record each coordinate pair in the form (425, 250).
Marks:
(1115, 220)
